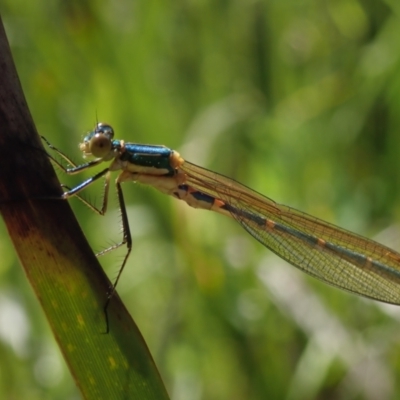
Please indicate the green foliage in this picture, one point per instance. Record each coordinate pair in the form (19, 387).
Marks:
(298, 100)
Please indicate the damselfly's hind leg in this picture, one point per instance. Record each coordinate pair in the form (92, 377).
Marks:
(126, 239)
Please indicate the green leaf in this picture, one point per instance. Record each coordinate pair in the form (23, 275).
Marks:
(62, 269)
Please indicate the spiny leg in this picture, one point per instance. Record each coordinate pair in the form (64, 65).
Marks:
(59, 152)
(75, 168)
(126, 239)
(73, 193)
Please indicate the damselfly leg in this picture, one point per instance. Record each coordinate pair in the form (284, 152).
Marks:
(74, 169)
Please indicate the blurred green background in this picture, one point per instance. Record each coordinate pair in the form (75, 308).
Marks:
(298, 100)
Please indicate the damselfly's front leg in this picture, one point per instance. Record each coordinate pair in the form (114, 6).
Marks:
(76, 169)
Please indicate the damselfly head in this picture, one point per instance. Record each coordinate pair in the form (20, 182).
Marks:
(98, 142)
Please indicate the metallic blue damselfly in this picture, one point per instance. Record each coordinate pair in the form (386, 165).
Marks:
(332, 254)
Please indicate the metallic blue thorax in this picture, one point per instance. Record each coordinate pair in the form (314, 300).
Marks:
(148, 156)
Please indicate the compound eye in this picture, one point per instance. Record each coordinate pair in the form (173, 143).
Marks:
(100, 145)
(105, 129)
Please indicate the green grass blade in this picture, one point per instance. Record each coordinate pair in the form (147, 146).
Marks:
(63, 272)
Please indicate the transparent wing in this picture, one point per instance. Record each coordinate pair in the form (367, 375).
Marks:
(332, 254)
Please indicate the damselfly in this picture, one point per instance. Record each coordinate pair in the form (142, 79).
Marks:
(325, 251)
